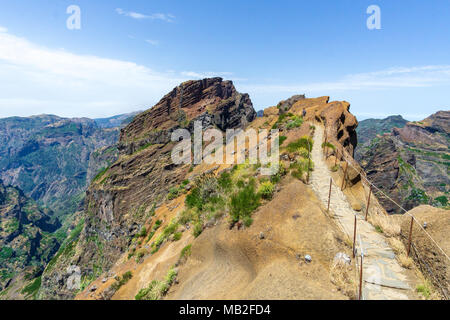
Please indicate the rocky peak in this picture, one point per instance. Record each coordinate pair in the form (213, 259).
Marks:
(212, 98)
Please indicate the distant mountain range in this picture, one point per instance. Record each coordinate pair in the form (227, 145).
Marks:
(48, 157)
(407, 160)
(46, 164)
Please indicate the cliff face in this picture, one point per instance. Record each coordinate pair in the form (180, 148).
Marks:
(411, 163)
(124, 195)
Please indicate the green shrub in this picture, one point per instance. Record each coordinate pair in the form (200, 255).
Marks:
(266, 190)
(157, 289)
(198, 229)
(173, 193)
(304, 142)
(295, 123)
(177, 236)
(140, 254)
(424, 289)
(418, 195)
(442, 200)
(171, 276)
(225, 181)
(186, 252)
(142, 232)
(281, 139)
(120, 281)
(194, 199)
(247, 221)
(244, 202)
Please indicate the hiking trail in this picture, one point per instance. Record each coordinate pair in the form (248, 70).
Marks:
(383, 277)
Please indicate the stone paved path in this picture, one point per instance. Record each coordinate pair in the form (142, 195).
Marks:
(384, 278)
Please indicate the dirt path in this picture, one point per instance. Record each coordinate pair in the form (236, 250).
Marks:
(384, 278)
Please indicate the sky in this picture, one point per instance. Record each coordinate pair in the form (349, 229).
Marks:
(126, 55)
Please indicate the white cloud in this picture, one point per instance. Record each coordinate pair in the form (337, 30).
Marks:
(3, 29)
(152, 42)
(167, 17)
(36, 80)
(399, 77)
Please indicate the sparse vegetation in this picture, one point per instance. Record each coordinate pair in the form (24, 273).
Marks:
(328, 145)
(385, 224)
(100, 174)
(185, 253)
(305, 142)
(266, 190)
(341, 275)
(177, 236)
(157, 289)
(424, 289)
(400, 252)
(31, 290)
(122, 280)
(244, 202)
(281, 139)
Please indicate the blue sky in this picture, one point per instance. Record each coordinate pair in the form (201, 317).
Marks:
(128, 54)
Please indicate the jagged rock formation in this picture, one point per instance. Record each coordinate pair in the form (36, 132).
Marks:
(27, 241)
(122, 197)
(410, 164)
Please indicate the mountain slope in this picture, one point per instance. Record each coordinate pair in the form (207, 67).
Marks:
(122, 197)
(48, 157)
(368, 130)
(213, 254)
(27, 239)
(411, 164)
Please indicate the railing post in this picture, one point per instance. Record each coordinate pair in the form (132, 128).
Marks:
(345, 174)
(361, 276)
(354, 238)
(309, 161)
(410, 235)
(368, 201)
(329, 195)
